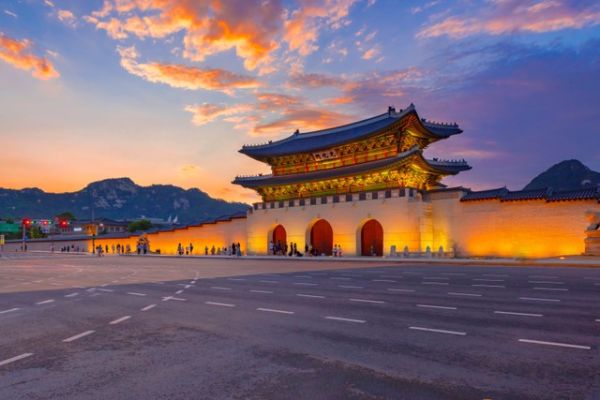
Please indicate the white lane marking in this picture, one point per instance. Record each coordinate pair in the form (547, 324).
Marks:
(420, 328)
(497, 275)
(136, 294)
(551, 288)
(236, 279)
(172, 298)
(220, 288)
(179, 291)
(434, 283)
(350, 287)
(544, 276)
(119, 320)
(368, 301)
(303, 276)
(547, 282)
(453, 273)
(16, 358)
(78, 336)
(340, 278)
(187, 286)
(314, 296)
(305, 284)
(520, 314)
(45, 302)
(490, 286)
(572, 346)
(106, 290)
(598, 320)
(538, 299)
(384, 280)
(214, 303)
(150, 307)
(401, 290)
(261, 291)
(438, 307)
(488, 280)
(465, 294)
(439, 278)
(7, 311)
(274, 311)
(357, 321)
(104, 285)
(193, 282)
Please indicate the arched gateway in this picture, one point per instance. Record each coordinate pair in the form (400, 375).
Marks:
(371, 238)
(279, 236)
(321, 237)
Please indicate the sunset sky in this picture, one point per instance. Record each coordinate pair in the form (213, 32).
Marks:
(167, 91)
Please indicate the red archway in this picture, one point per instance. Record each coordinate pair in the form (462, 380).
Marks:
(279, 235)
(321, 237)
(371, 238)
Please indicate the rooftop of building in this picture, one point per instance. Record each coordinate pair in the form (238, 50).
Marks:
(547, 194)
(317, 140)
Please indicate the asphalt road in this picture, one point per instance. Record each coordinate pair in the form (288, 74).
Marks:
(77, 327)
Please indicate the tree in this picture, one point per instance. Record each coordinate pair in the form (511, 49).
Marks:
(67, 216)
(141, 225)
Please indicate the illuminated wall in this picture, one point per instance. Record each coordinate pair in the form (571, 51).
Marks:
(399, 216)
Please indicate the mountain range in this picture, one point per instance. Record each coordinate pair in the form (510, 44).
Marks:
(566, 175)
(119, 199)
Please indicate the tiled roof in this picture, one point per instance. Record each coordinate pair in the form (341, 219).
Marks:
(548, 195)
(316, 140)
(444, 167)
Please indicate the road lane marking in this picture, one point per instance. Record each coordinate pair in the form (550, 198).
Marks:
(434, 283)
(551, 288)
(340, 278)
(314, 296)
(106, 290)
(401, 290)
(78, 336)
(305, 284)
(434, 306)
(16, 358)
(187, 286)
(497, 275)
(453, 273)
(598, 320)
(274, 310)
(172, 298)
(220, 288)
(269, 281)
(547, 282)
(488, 280)
(7, 311)
(368, 301)
(538, 299)
(518, 314)
(303, 276)
(572, 346)
(261, 291)
(465, 294)
(439, 278)
(45, 302)
(384, 280)
(119, 320)
(136, 294)
(420, 328)
(179, 291)
(150, 307)
(350, 287)
(357, 321)
(490, 286)
(236, 279)
(544, 276)
(214, 303)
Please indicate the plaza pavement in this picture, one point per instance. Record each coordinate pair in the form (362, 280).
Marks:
(81, 327)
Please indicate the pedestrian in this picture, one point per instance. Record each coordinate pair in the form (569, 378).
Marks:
(191, 248)
(206, 250)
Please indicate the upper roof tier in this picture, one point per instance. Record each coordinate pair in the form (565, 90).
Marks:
(326, 138)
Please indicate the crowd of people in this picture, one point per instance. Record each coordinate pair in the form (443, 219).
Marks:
(235, 249)
(282, 249)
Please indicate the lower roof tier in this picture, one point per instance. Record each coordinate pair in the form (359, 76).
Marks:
(407, 169)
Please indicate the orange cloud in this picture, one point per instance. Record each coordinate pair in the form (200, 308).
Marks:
(18, 54)
(204, 113)
(183, 76)
(209, 26)
(66, 17)
(305, 119)
(516, 16)
(303, 26)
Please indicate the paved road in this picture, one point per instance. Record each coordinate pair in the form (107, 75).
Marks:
(76, 327)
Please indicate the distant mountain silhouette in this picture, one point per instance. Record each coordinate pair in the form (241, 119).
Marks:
(566, 175)
(117, 199)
